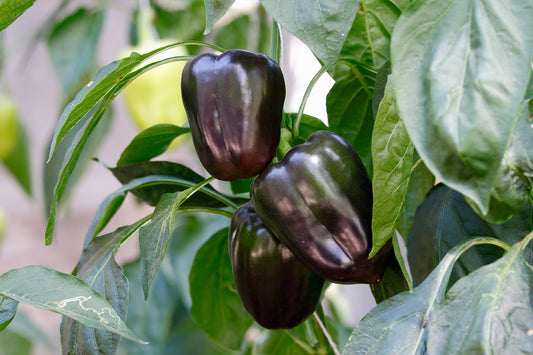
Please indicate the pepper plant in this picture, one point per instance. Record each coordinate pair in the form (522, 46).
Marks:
(435, 98)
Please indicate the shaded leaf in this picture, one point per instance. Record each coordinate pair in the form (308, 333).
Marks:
(392, 155)
(392, 283)
(465, 319)
(150, 143)
(72, 45)
(214, 10)
(349, 108)
(10, 10)
(178, 176)
(445, 220)
(459, 81)
(369, 38)
(321, 24)
(65, 294)
(216, 305)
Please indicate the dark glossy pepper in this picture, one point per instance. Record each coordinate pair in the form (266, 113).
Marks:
(276, 288)
(318, 202)
(234, 104)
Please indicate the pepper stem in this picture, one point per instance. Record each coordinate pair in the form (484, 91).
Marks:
(332, 344)
(275, 42)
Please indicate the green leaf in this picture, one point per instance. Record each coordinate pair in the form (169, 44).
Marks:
(420, 182)
(369, 38)
(321, 24)
(8, 309)
(72, 45)
(445, 220)
(308, 125)
(154, 237)
(459, 81)
(214, 10)
(177, 176)
(15, 343)
(10, 10)
(349, 108)
(150, 143)
(392, 283)
(216, 306)
(392, 155)
(97, 267)
(18, 162)
(53, 168)
(477, 313)
(65, 294)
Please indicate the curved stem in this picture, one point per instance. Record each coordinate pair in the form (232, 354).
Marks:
(206, 210)
(332, 344)
(275, 42)
(296, 125)
(305, 347)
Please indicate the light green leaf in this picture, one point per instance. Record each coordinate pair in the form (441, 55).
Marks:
(10, 10)
(154, 237)
(368, 41)
(18, 162)
(72, 45)
(214, 10)
(8, 309)
(392, 155)
(459, 80)
(65, 294)
(475, 315)
(216, 305)
(97, 267)
(321, 24)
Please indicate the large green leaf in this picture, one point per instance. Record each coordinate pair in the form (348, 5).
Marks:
(459, 80)
(349, 108)
(445, 220)
(392, 155)
(321, 24)
(10, 10)
(216, 305)
(489, 311)
(97, 267)
(65, 294)
(72, 45)
(214, 10)
(369, 38)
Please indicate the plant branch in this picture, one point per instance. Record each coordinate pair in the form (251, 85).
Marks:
(332, 344)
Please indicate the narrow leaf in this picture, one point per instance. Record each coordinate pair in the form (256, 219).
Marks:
(214, 10)
(321, 24)
(154, 237)
(150, 143)
(392, 154)
(216, 306)
(459, 81)
(10, 10)
(65, 294)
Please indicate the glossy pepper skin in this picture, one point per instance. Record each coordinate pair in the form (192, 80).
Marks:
(275, 287)
(234, 104)
(318, 202)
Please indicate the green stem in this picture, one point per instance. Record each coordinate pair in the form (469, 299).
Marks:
(324, 330)
(275, 42)
(305, 347)
(297, 121)
(206, 210)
